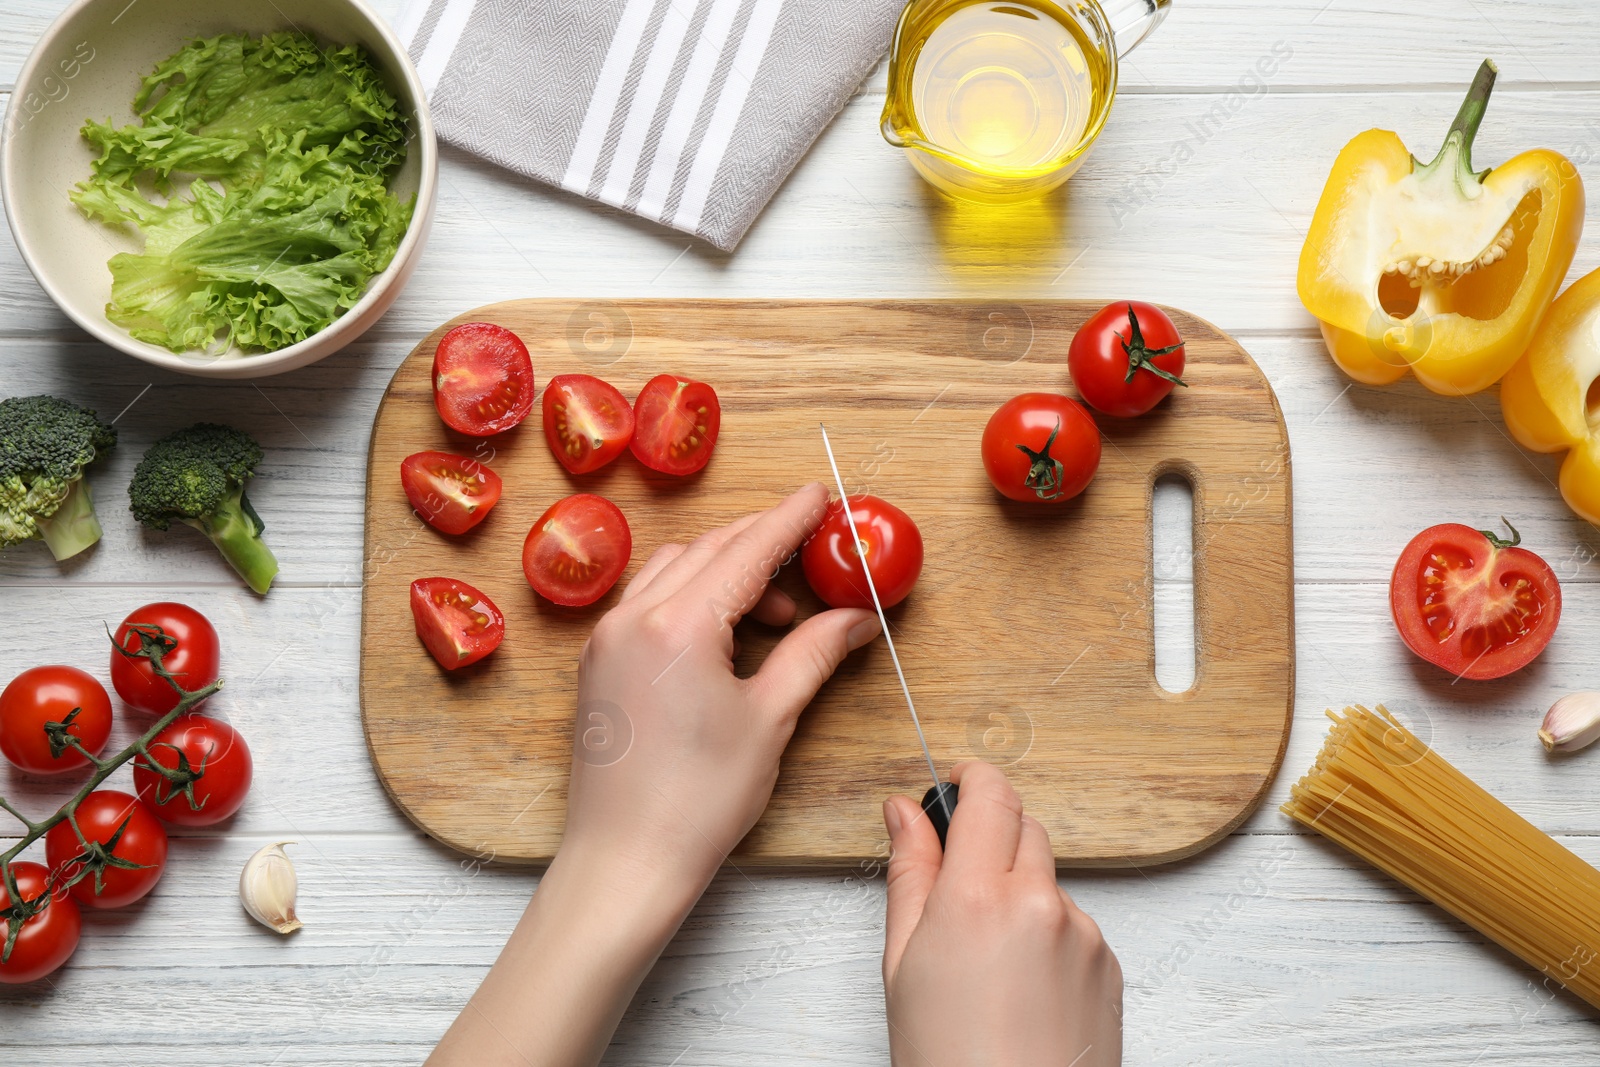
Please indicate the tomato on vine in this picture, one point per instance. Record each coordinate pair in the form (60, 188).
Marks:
(194, 660)
(46, 927)
(40, 707)
(1126, 358)
(1041, 448)
(120, 856)
(210, 751)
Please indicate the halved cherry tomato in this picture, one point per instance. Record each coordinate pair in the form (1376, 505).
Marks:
(889, 541)
(1473, 603)
(208, 745)
(49, 694)
(194, 661)
(458, 624)
(47, 939)
(577, 550)
(1041, 447)
(452, 493)
(140, 842)
(675, 424)
(587, 421)
(1126, 358)
(482, 379)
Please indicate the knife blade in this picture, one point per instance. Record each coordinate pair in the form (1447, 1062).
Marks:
(940, 801)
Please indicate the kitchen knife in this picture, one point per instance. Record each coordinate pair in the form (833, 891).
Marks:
(940, 801)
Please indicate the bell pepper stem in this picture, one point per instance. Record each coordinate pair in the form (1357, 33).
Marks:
(1458, 141)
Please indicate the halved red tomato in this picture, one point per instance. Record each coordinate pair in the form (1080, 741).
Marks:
(452, 493)
(675, 424)
(577, 550)
(459, 625)
(889, 541)
(587, 421)
(482, 379)
(1473, 603)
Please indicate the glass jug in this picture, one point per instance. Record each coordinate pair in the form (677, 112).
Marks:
(998, 101)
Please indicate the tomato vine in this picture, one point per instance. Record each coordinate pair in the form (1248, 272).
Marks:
(154, 644)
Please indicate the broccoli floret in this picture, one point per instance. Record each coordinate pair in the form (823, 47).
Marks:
(45, 444)
(196, 477)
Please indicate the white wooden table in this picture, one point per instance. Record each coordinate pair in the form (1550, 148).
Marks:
(1273, 948)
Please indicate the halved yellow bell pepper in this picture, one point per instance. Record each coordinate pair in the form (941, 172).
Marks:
(1545, 397)
(1434, 268)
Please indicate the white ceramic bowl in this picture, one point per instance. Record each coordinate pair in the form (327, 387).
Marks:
(88, 64)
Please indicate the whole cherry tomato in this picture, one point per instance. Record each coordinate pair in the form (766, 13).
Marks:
(675, 424)
(452, 493)
(587, 422)
(140, 841)
(577, 550)
(482, 379)
(194, 662)
(47, 939)
(1126, 358)
(458, 624)
(1041, 448)
(50, 694)
(1473, 603)
(209, 746)
(889, 541)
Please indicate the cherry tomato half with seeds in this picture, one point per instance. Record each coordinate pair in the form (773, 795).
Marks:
(1126, 358)
(141, 843)
(194, 661)
(1042, 448)
(482, 379)
(458, 624)
(587, 422)
(1473, 603)
(888, 540)
(577, 550)
(675, 424)
(50, 694)
(209, 746)
(48, 938)
(452, 493)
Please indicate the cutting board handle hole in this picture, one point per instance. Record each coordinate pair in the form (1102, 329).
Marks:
(1172, 584)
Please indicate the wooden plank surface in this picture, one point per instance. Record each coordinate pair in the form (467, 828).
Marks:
(1272, 948)
(1049, 607)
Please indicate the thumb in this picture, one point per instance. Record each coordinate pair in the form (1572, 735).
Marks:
(802, 661)
(913, 866)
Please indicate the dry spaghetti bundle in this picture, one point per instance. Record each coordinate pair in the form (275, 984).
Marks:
(1384, 795)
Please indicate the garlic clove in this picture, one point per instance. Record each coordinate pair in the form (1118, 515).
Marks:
(267, 888)
(1571, 723)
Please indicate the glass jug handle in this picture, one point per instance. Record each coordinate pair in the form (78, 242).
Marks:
(1131, 21)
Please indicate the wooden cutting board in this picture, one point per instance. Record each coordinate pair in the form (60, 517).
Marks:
(1028, 641)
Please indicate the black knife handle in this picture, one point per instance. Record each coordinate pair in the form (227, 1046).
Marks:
(935, 802)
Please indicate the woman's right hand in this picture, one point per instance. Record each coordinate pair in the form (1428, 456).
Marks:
(987, 962)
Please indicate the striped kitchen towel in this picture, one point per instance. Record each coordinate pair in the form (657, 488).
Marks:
(688, 112)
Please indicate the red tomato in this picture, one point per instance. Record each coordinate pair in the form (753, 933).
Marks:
(577, 550)
(587, 421)
(195, 660)
(452, 493)
(675, 424)
(45, 941)
(1126, 358)
(1041, 447)
(143, 842)
(482, 379)
(1473, 603)
(889, 541)
(208, 745)
(459, 625)
(49, 694)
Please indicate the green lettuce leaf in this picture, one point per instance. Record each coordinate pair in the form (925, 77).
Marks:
(289, 148)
